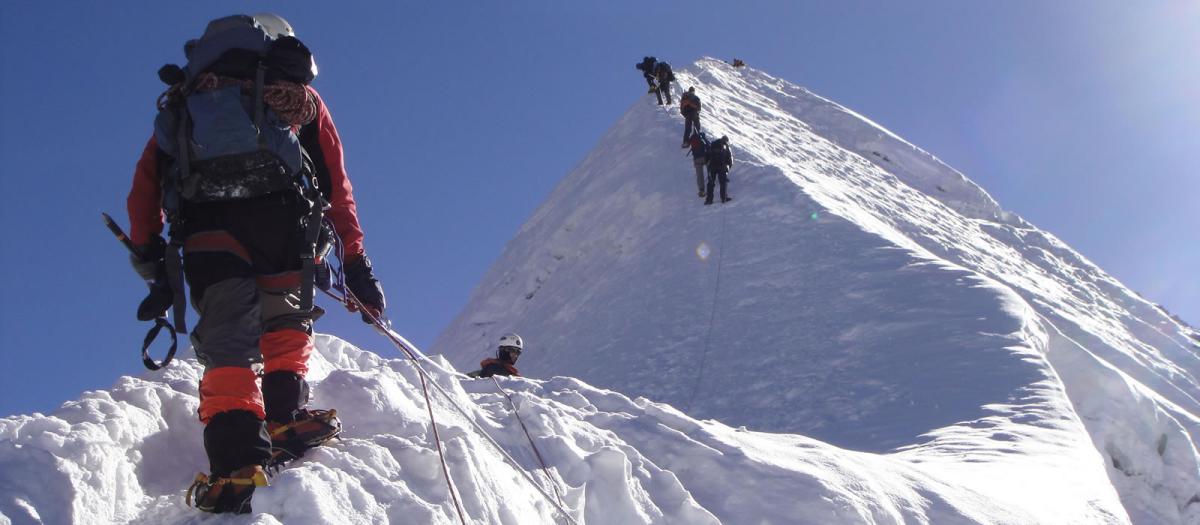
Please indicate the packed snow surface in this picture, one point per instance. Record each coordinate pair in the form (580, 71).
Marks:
(862, 336)
(125, 455)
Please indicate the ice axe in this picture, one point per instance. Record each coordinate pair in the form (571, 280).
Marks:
(151, 308)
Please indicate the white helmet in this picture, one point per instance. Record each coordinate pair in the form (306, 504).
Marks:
(274, 25)
(511, 340)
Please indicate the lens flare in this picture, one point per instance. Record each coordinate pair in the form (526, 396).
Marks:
(703, 251)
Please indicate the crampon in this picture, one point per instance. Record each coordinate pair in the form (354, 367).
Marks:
(227, 493)
(310, 429)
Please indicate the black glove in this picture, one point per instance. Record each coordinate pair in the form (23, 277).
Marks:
(149, 262)
(363, 284)
(152, 268)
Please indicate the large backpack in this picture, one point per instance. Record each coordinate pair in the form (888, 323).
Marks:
(237, 146)
(689, 101)
(699, 143)
(225, 142)
(719, 156)
(646, 65)
(662, 71)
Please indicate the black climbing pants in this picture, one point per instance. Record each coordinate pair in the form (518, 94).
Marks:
(664, 88)
(713, 177)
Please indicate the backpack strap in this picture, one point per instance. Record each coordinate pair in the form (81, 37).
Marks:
(308, 254)
(174, 262)
(173, 258)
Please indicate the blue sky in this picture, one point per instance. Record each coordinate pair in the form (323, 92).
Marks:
(459, 119)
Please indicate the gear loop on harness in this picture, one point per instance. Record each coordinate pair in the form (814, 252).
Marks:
(159, 324)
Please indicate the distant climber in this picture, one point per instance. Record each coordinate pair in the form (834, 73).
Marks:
(689, 106)
(737, 62)
(664, 76)
(720, 159)
(506, 357)
(699, 153)
(646, 66)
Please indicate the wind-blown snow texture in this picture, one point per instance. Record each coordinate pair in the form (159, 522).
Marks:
(872, 337)
(857, 291)
(125, 456)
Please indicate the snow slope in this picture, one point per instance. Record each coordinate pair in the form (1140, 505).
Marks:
(857, 291)
(125, 456)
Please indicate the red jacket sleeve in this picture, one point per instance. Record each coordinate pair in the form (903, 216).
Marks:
(144, 203)
(343, 212)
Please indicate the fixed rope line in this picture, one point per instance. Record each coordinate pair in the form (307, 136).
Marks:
(437, 438)
(412, 352)
(350, 299)
(415, 354)
(711, 316)
(536, 452)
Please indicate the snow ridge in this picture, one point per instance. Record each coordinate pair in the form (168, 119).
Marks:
(870, 296)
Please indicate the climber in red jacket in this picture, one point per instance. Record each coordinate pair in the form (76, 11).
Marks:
(244, 163)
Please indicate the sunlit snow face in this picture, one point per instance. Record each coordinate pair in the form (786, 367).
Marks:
(703, 251)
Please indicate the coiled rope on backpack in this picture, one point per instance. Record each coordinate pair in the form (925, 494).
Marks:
(292, 101)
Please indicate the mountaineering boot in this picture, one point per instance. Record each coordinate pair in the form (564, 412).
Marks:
(284, 392)
(701, 194)
(226, 493)
(309, 429)
(237, 445)
(726, 199)
(291, 429)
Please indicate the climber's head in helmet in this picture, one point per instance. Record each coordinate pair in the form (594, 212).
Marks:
(509, 348)
(507, 352)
